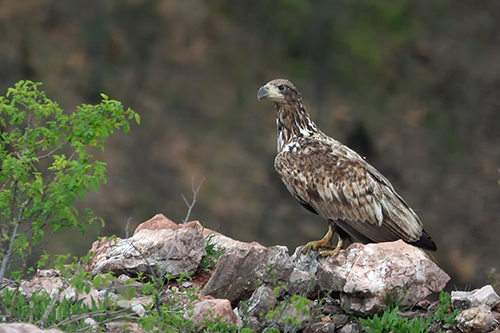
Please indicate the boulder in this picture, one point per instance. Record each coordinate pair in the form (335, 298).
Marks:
(157, 252)
(467, 299)
(239, 270)
(365, 274)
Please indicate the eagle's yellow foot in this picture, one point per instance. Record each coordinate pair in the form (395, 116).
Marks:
(336, 250)
(324, 242)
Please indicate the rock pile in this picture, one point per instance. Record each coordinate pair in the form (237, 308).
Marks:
(251, 281)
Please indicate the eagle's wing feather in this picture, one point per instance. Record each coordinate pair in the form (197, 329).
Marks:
(340, 186)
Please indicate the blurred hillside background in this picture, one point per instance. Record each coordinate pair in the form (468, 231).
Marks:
(412, 85)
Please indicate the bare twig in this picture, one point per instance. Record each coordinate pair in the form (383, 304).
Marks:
(127, 227)
(191, 205)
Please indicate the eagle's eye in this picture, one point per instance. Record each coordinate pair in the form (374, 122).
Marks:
(281, 87)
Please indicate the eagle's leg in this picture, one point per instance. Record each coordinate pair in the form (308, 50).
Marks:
(326, 241)
(336, 250)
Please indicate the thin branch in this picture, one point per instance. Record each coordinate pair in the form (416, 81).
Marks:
(127, 228)
(191, 205)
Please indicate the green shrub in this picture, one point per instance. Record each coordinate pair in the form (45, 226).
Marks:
(46, 165)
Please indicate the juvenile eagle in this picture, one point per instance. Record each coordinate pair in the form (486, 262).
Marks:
(335, 182)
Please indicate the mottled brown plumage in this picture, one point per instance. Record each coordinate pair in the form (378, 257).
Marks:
(335, 182)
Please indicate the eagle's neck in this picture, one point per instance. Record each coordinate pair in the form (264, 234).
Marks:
(293, 122)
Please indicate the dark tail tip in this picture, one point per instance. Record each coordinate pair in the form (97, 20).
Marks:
(425, 242)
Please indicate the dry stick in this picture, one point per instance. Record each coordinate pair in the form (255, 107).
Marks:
(190, 208)
(127, 227)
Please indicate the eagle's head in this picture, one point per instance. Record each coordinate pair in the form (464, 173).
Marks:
(279, 91)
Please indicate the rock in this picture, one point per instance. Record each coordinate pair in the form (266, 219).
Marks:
(477, 319)
(238, 270)
(321, 327)
(292, 319)
(136, 304)
(303, 283)
(365, 274)
(307, 262)
(158, 222)
(211, 310)
(467, 299)
(25, 328)
(351, 328)
(262, 301)
(50, 280)
(223, 242)
(340, 320)
(153, 251)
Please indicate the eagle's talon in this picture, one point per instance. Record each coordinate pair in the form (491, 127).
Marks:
(325, 254)
(324, 242)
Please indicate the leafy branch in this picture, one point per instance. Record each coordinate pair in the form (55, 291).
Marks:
(46, 166)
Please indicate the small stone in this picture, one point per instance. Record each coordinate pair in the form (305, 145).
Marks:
(321, 327)
(212, 310)
(262, 301)
(340, 319)
(467, 299)
(351, 328)
(477, 319)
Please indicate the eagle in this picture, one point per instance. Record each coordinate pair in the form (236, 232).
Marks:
(336, 183)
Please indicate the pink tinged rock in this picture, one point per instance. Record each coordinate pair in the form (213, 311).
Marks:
(238, 270)
(211, 310)
(158, 222)
(153, 251)
(365, 274)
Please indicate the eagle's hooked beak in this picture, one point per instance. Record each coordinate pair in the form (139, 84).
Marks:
(269, 91)
(263, 92)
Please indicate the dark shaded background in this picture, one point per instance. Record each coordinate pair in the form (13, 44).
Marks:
(412, 85)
